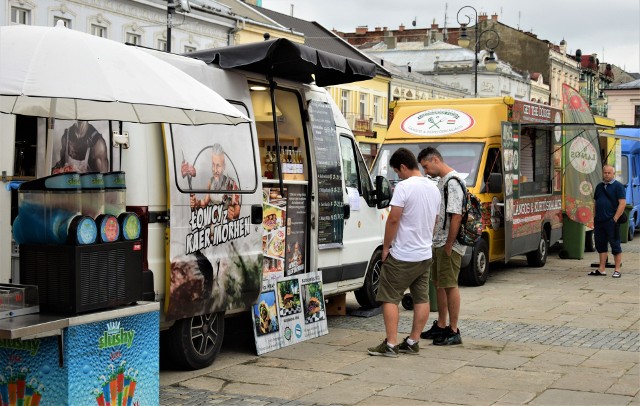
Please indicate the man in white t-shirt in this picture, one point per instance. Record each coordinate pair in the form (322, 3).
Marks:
(447, 250)
(406, 252)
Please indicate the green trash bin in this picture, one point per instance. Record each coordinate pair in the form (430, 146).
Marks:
(624, 228)
(572, 239)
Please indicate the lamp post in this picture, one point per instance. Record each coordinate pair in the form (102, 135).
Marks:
(492, 43)
(172, 6)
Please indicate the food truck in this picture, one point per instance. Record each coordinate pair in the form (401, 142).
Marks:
(223, 207)
(509, 157)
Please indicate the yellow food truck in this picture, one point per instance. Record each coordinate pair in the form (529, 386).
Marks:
(509, 153)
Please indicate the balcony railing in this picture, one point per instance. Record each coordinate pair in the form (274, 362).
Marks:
(363, 125)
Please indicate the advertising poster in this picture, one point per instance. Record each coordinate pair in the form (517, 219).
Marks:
(113, 362)
(290, 310)
(295, 254)
(274, 220)
(215, 251)
(80, 146)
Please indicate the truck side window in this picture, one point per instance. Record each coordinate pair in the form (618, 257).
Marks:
(355, 170)
(493, 165)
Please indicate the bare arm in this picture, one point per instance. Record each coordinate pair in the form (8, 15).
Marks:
(390, 229)
(621, 205)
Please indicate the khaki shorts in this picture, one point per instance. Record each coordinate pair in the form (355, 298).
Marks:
(396, 276)
(445, 269)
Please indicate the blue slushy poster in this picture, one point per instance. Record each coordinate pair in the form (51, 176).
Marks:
(107, 363)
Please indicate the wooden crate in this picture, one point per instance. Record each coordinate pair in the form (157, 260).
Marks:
(337, 305)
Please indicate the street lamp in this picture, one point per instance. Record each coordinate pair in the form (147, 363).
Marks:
(172, 6)
(492, 43)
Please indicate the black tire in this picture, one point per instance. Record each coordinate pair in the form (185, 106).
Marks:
(589, 242)
(538, 258)
(407, 301)
(632, 230)
(477, 272)
(366, 295)
(193, 343)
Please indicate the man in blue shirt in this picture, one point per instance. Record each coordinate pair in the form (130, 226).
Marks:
(610, 201)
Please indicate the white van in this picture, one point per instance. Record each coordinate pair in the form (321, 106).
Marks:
(223, 205)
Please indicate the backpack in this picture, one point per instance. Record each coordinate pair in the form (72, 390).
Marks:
(471, 225)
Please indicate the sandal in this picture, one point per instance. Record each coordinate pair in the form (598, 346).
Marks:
(598, 273)
(616, 274)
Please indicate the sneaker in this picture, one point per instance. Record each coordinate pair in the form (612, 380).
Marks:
(616, 274)
(434, 332)
(449, 338)
(407, 348)
(384, 350)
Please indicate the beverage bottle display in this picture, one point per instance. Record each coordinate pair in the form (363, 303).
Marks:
(289, 154)
(267, 157)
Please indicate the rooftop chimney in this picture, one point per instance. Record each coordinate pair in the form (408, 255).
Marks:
(378, 29)
(494, 17)
(361, 30)
(401, 28)
(482, 17)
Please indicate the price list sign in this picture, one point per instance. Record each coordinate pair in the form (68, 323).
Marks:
(330, 196)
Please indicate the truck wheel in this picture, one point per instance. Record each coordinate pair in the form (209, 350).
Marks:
(476, 273)
(193, 343)
(632, 230)
(589, 242)
(538, 257)
(366, 295)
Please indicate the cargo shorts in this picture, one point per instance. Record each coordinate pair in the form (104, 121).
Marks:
(396, 276)
(445, 269)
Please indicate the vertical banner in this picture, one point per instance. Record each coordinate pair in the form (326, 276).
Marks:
(330, 194)
(289, 310)
(510, 163)
(583, 169)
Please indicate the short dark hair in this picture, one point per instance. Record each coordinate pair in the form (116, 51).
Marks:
(428, 153)
(403, 156)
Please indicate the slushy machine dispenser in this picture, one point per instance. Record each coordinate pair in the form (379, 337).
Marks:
(77, 242)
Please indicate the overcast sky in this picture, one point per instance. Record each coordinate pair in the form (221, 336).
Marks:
(609, 28)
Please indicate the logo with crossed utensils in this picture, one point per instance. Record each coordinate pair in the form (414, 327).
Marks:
(434, 123)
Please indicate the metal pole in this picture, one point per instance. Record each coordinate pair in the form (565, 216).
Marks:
(475, 61)
(170, 9)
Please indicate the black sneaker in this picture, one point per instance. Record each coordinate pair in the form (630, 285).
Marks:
(448, 338)
(434, 332)
(407, 348)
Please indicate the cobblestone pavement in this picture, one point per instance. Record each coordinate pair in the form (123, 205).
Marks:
(565, 336)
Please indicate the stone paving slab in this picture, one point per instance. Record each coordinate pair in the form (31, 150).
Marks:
(543, 336)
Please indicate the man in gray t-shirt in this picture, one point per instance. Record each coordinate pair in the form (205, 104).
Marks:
(447, 252)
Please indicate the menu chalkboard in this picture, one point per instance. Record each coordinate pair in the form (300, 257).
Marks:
(330, 195)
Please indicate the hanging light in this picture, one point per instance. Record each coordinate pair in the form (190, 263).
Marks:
(491, 63)
(464, 40)
(600, 101)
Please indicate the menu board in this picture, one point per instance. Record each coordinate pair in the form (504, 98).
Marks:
(330, 195)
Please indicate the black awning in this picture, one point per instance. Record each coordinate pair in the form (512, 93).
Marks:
(281, 58)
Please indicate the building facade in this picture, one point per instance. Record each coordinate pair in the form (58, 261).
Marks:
(624, 103)
(138, 22)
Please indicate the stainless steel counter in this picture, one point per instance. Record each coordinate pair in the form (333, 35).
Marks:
(43, 325)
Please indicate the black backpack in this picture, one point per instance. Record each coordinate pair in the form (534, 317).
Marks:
(472, 224)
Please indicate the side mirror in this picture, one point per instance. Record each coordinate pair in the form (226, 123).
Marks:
(495, 183)
(383, 192)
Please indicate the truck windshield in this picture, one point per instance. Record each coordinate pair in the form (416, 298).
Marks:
(464, 157)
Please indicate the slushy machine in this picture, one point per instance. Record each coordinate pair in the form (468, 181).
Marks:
(78, 244)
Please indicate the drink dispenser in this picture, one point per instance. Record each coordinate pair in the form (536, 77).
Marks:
(115, 193)
(46, 207)
(93, 194)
